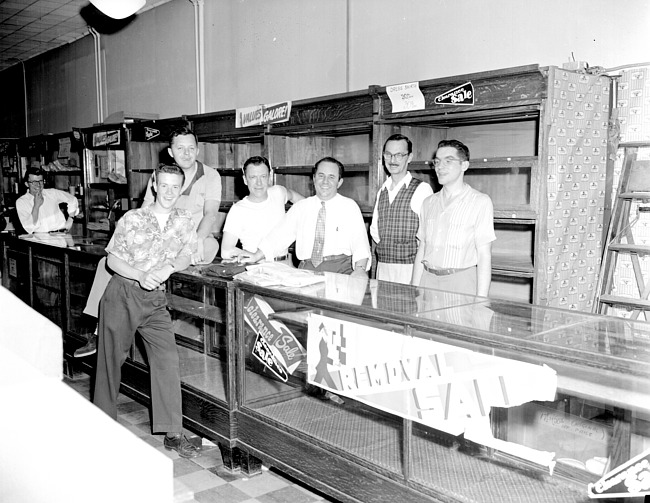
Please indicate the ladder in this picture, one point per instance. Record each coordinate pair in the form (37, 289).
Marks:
(632, 203)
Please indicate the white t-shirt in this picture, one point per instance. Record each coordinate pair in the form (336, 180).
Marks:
(250, 221)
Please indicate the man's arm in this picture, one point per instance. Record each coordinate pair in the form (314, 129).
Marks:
(359, 268)
(229, 246)
(418, 267)
(484, 269)
(293, 196)
(25, 214)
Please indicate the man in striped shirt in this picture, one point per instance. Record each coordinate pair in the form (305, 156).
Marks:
(456, 229)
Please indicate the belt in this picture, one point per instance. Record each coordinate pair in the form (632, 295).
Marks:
(59, 231)
(335, 257)
(281, 258)
(134, 282)
(445, 272)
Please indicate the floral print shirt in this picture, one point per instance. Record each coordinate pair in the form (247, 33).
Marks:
(139, 240)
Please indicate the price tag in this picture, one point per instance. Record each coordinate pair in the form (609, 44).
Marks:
(406, 97)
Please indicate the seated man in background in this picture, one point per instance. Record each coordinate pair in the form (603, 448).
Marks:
(328, 228)
(201, 195)
(250, 219)
(456, 229)
(38, 209)
(148, 245)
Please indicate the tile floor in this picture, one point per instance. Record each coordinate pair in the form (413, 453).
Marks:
(204, 479)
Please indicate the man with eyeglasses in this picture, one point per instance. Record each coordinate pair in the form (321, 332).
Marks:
(395, 218)
(38, 210)
(456, 229)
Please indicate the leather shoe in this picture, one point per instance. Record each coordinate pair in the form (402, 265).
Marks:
(89, 349)
(182, 446)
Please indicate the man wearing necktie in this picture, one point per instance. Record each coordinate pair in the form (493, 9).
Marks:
(328, 228)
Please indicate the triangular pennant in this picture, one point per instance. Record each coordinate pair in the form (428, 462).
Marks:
(262, 351)
(461, 95)
(150, 133)
(630, 480)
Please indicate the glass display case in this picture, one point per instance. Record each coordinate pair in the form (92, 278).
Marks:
(437, 396)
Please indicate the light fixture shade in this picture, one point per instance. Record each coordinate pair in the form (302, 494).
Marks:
(118, 9)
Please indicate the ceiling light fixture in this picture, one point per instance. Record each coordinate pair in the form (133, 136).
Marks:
(118, 9)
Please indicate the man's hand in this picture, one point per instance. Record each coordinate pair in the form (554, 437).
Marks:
(68, 223)
(38, 200)
(150, 280)
(198, 256)
(359, 271)
(248, 258)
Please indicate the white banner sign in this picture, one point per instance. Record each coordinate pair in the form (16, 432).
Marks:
(442, 386)
(262, 114)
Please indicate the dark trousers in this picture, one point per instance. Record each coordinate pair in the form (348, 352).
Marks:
(341, 264)
(124, 309)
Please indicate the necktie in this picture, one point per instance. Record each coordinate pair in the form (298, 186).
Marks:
(319, 238)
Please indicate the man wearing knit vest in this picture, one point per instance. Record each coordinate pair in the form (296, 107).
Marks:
(395, 219)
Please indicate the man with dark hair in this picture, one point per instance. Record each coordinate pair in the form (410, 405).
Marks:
(250, 219)
(38, 210)
(456, 229)
(395, 219)
(201, 195)
(148, 245)
(328, 228)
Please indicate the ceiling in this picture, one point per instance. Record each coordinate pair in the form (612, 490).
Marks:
(31, 27)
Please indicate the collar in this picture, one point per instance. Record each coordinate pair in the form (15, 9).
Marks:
(404, 181)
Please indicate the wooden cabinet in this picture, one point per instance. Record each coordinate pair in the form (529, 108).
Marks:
(10, 173)
(146, 147)
(118, 162)
(53, 273)
(107, 190)
(338, 126)
(224, 147)
(504, 131)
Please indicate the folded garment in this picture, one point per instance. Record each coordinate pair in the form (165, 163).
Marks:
(224, 270)
(279, 274)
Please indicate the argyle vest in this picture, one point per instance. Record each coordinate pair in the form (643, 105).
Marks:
(398, 225)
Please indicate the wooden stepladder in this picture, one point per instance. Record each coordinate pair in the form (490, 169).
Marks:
(631, 206)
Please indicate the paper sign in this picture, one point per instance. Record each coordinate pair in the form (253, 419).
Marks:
(405, 97)
(103, 138)
(439, 385)
(461, 95)
(64, 148)
(630, 480)
(282, 343)
(262, 114)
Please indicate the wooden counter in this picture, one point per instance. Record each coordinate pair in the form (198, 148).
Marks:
(355, 451)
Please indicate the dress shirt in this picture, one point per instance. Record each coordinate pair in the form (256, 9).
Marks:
(50, 217)
(452, 232)
(423, 191)
(345, 231)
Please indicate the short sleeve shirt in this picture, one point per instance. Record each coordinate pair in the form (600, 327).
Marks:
(139, 240)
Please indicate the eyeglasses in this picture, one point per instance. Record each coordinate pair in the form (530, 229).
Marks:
(35, 182)
(446, 161)
(397, 157)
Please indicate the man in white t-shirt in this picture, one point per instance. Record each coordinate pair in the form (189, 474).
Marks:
(250, 219)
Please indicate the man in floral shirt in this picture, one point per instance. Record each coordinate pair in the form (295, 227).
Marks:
(148, 245)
